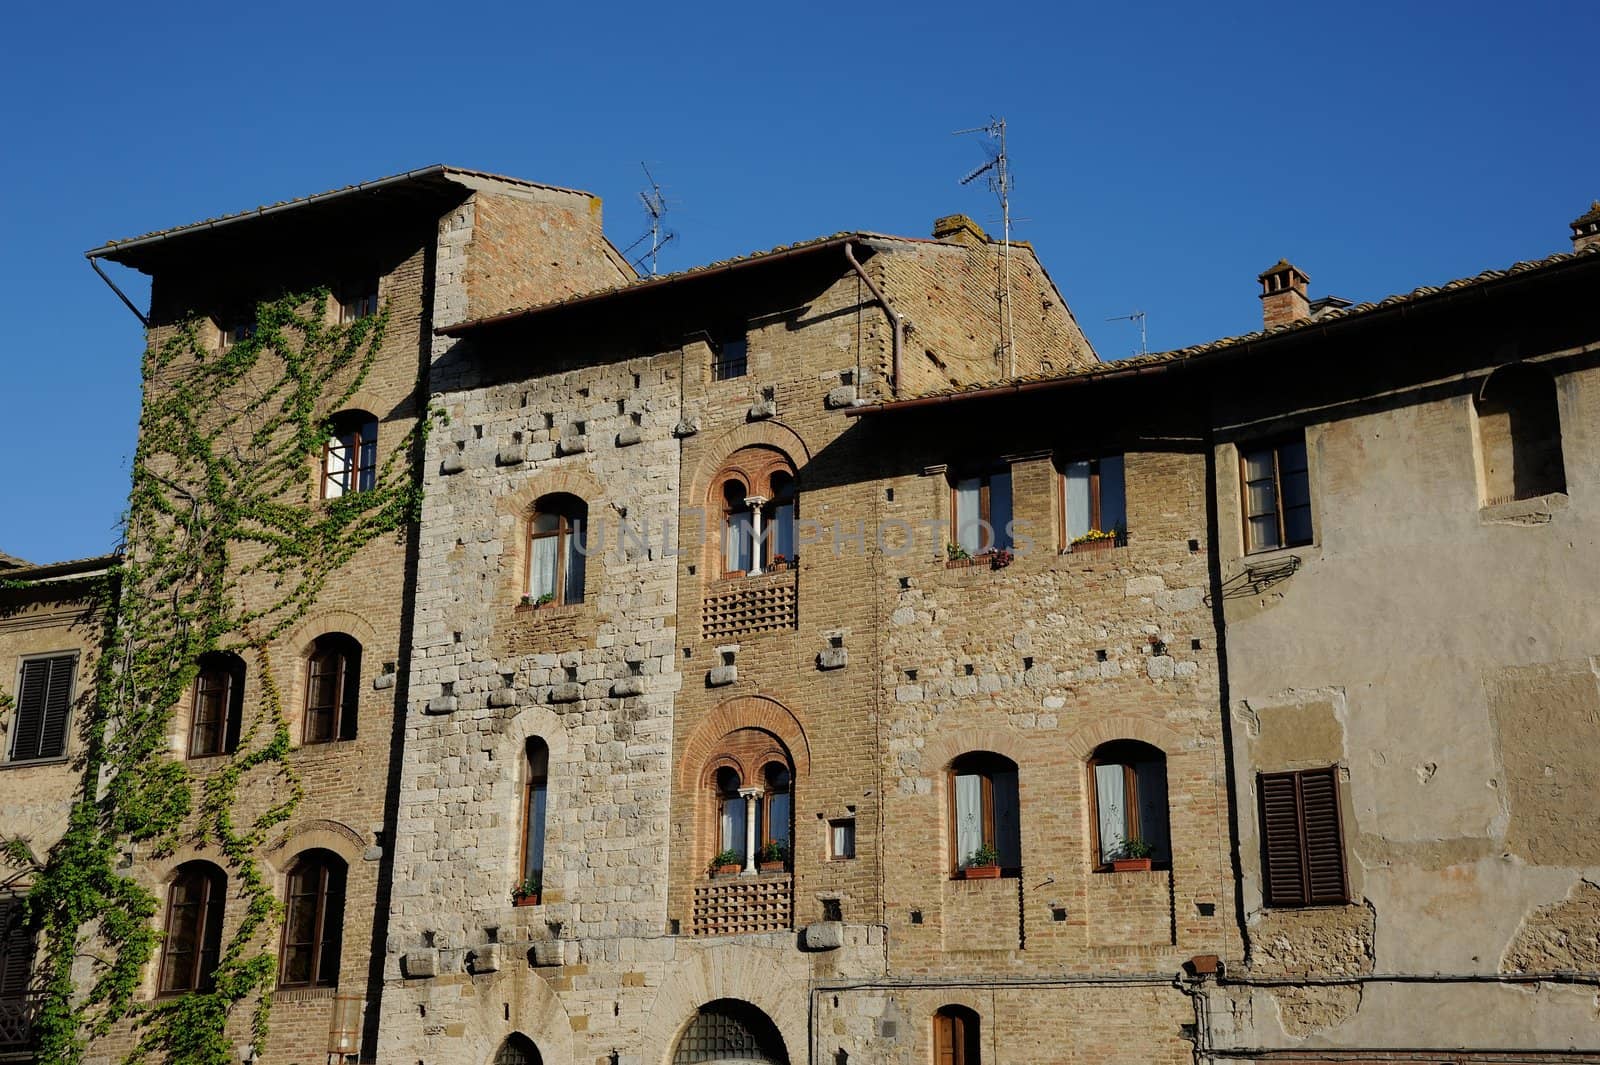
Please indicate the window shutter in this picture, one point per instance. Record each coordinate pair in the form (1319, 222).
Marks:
(42, 705)
(1280, 839)
(1324, 847)
(1302, 838)
(16, 949)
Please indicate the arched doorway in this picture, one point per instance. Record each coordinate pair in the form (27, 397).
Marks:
(729, 1030)
(518, 1049)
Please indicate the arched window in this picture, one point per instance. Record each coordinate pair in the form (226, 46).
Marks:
(731, 813)
(1128, 792)
(535, 790)
(217, 703)
(518, 1049)
(557, 548)
(986, 824)
(333, 688)
(350, 456)
(955, 1036)
(777, 811)
(757, 496)
(730, 1030)
(1519, 435)
(313, 922)
(193, 940)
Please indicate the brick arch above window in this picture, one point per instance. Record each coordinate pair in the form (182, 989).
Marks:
(767, 434)
(519, 503)
(746, 712)
(303, 637)
(1082, 742)
(315, 834)
(944, 748)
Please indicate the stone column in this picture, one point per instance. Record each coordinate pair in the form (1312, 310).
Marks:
(755, 503)
(750, 795)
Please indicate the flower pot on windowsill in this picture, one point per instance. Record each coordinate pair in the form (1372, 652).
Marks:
(727, 870)
(981, 872)
(1098, 543)
(771, 867)
(1130, 865)
(525, 900)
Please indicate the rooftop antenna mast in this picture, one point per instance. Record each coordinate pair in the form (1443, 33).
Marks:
(655, 205)
(1135, 316)
(998, 169)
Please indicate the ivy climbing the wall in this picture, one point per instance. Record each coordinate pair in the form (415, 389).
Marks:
(226, 548)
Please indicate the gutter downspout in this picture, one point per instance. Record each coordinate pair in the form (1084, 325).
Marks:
(896, 321)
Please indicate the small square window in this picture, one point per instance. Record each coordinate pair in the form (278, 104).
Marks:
(237, 331)
(730, 358)
(842, 839)
(358, 300)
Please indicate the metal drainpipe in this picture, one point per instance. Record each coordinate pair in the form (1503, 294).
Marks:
(896, 321)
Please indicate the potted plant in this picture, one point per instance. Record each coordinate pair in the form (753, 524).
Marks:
(1100, 539)
(527, 893)
(956, 555)
(1000, 559)
(772, 857)
(725, 863)
(544, 600)
(1134, 857)
(983, 864)
(780, 563)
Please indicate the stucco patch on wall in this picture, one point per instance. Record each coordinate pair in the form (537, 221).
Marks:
(1547, 724)
(1564, 936)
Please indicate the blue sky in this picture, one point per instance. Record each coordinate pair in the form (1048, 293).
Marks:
(1164, 155)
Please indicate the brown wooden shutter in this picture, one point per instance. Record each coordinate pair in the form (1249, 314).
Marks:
(16, 949)
(1324, 843)
(1302, 843)
(1284, 872)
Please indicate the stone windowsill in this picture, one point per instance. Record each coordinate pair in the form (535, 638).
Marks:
(549, 610)
(1535, 510)
(36, 762)
(304, 994)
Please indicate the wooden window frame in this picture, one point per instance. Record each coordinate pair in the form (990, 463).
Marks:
(1276, 445)
(986, 475)
(319, 940)
(345, 689)
(529, 786)
(360, 442)
(724, 366)
(1116, 755)
(20, 707)
(196, 979)
(359, 300)
(1063, 535)
(1302, 842)
(562, 534)
(232, 702)
(834, 824)
(991, 837)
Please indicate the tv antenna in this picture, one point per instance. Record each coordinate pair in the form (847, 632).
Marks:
(1134, 316)
(655, 205)
(998, 170)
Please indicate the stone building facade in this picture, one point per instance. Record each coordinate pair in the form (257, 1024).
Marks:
(789, 664)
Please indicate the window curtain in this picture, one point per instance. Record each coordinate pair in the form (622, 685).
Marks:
(1077, 501)
(542, 564)
(737, 536)
(969, 816)
(969, 534)
(1150, 781)
(733, 825)
(782, 530)
(1111, 797)
(1007, 820)
(576, 547)
(536, 816)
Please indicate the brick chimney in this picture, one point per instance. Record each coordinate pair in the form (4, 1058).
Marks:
(959, 227)
(1283, 294)
(1586, 228)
